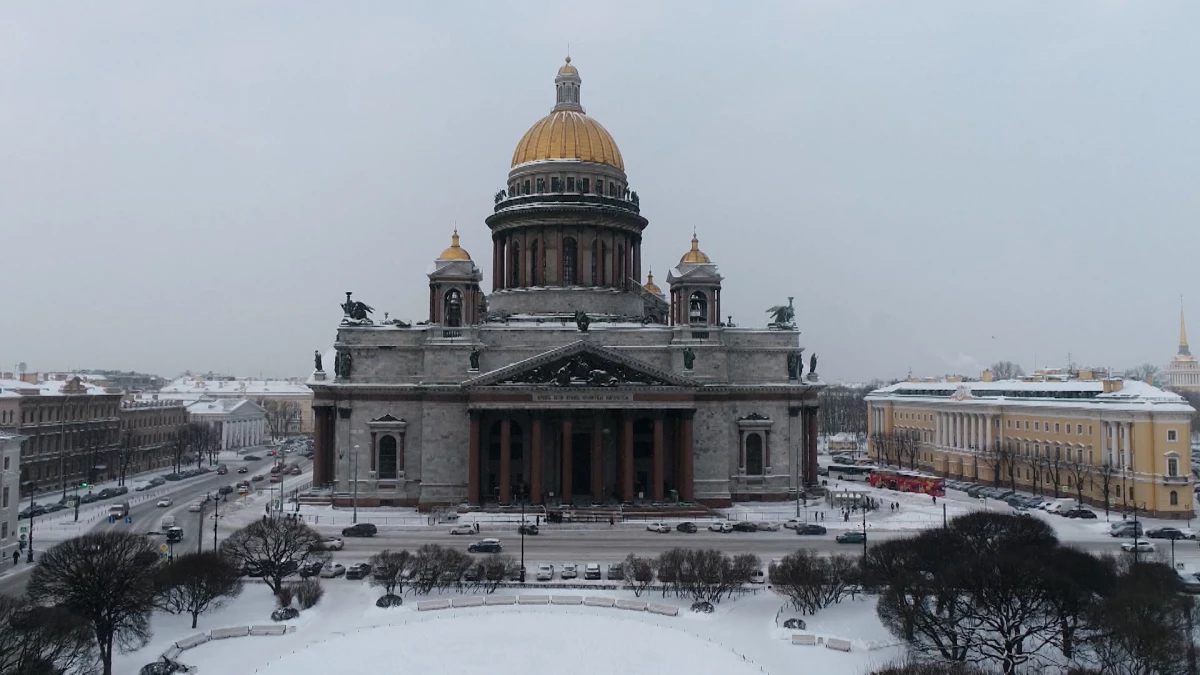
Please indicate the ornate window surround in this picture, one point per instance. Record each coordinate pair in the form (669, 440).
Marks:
(387, 425)
(753, 424)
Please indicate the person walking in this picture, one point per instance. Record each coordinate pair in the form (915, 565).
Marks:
(16, 557)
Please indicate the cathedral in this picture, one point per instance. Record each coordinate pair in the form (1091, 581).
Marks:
(572, 383)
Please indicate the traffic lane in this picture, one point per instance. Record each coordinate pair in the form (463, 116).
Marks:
(13, 584)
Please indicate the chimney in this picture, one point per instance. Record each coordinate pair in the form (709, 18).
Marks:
(1112, 384)
(986, 376)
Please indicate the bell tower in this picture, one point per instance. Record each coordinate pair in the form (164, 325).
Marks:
(454, 294)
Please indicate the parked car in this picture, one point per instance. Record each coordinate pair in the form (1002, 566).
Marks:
(329, 544)
(1170, 533)
(242, 469)
(767, 527)
(164, 502)
(485, 546)
(811, 528)
(1126, 528)
(527, 528)
(720, 526)
(793, 524)
(545, 572)
(687, 527)
(758, 577)
(1189, 581)
(744, 526)
(1137, 547)
(257, 477)
(311, 569)
(658, 527)
(196, 506)
(615, 572)
(107, 493)
(852, 537)
(358, 571)
(569, 571)
(1086, 514)
(462, 528)
(591, 572)
(251, 458)
(157, 481)
(333, 570)
(225, 489)
(360, 530)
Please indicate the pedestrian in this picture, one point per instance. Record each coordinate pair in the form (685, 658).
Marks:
(611, 521)
(477, 527)
(16, 557)
(934, 499)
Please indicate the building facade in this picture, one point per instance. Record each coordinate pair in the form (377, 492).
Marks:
(1183, 372)
(571, 383)
(148, 429)
(71, 430)
(242, 424)
(1121, 442)
(10, 493)
(287, 402)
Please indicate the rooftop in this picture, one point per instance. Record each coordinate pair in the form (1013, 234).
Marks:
(231, 387)
(1118, 393)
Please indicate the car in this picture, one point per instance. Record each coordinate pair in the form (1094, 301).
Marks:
(332, 571)
(225, 489)
(852, 537)
(1169, 533)
(276, 468)
(251, 458)
(615, 572)
(527, 528)
(222, 470)
(107, 493)
(545, 572)
(569, 571)
(164, 502)
(745, 526)
(328, 544)
(257, 477)
(174, 534)
(686, 527)
(311, 569)
(121, 490)
(811, 528)
(1086, 514)
(89, 498)
(1137, 547)
(1189, 581)
(360, 530)
(720, 526)
(462, 528)
(1126, 528)
(157, 481)
(276, 478)
(793, 524)
(55, 508)
(757, 577)
(242, 469)
(767, 527)
(592, 571)
(196, 507)
(658, 527)
(485, 546)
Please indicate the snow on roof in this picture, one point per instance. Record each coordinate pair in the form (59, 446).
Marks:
(220, 406)
(48, 388)
(244, 386)
(1132, 395)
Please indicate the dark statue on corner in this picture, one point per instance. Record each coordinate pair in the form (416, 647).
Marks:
(342, 363)
(475, 358)
(689, 358)
(795, 365)
(317, 360)
(356, 311)
(812, 364)
(783, 316)
(582, 321)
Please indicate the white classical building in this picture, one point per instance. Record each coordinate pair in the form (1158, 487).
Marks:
(10, 492)
(1183, 372)
(242, 423)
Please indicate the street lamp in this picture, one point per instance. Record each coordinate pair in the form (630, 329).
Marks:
(32, 488)
(353, 477)
(521, 529)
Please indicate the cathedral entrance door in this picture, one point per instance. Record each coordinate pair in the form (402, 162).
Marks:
(581, 464)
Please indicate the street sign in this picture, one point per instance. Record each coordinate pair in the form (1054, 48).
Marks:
(162, 547)
(128, 519)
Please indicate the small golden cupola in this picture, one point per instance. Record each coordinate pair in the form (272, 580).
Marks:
(695, 255)
(650, 286)
(455, 252)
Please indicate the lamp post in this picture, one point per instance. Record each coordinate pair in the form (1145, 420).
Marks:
(521, 529)
(354, 475)
(32, 489)
(216, 514)
(200, 527)
(77, 486)
(864, 524)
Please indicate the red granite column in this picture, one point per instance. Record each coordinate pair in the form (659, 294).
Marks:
(505, 461)
(566, 460)
(473, 461)
(656, 490)
(598, 459)
(627, 456)
(535, 459)
(685, 441)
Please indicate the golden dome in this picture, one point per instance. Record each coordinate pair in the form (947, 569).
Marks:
(650, 285)
(455, 252)
(695, 255)
(567, 68)
(567, 134)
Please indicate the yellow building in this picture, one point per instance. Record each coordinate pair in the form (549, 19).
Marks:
(1052, 433)
(1183, 372)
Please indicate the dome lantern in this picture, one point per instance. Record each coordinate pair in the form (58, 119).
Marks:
(568, 133)
(695, 255)
(566, 83)
(455, 252)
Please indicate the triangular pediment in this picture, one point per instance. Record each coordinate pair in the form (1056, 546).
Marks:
(580, 364)
(387, 418)
(694, 273)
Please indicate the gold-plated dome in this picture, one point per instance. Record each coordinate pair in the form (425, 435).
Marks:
(455, 252)
(650, 285)
(566, 134)
(567, 68)
(695, 255)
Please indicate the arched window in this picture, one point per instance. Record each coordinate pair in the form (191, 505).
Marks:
(698, 308)
(535, 264)
(754, 455)
(570, 251)
(387, 457)
(1174, 498)
(515, 264)
(452, 308)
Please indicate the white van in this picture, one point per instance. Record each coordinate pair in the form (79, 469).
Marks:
(118, 510)
(1060, 505)
(167, 523)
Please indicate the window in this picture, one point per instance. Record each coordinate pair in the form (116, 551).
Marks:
(1056, 428)
(1026, 424)
(1174, 498)
(535, 265)
(698, 308)
(754, 455)
(554, 184)
(515, 264)
(4, 530)
(1172, 471)
(586, 185)
(7, 461)
(541, 185)
(1089, 430)
(525, 188)
(1037, 426)
(453, 309)
(1171, 435)
(1079, 428)
(570, 183)
(387, 457)
(1008, 423)
(612, 189)
(4, 502)
(570, 253)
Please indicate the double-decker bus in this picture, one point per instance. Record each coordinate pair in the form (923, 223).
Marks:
(908, 481)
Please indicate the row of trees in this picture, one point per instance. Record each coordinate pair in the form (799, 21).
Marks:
(197, 440)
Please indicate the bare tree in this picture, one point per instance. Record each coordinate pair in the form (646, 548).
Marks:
(812, 582)
(1107, 472)
(491, 571)
(388, 570)
(37, 640)
(1006, 370)
(106, 579)
(126, 449)
(638, 572)
(196, 583)
(274, 547)
(281, 415)
(1079, 473)
(1146, 372)
(436, 566)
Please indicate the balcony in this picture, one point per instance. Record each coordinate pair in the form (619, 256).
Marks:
(1175, 480)
(567, 198)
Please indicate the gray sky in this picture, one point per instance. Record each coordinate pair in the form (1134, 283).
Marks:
(941, 184)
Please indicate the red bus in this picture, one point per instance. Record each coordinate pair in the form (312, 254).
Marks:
(908, 481)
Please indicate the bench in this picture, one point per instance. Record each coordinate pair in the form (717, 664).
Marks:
(235, 631)
(592, 601)
(432, 604)
(838, 644)
(566, 600)
(469, 601)
(533, 600)
(632, 605)
(269, 629)
(804, 639)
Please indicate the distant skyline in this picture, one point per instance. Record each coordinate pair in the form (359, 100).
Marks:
(940, 185)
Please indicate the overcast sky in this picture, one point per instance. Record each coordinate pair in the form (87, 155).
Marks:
(940, 184)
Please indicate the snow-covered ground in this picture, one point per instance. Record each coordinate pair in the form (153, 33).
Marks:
(346, 631)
